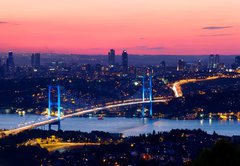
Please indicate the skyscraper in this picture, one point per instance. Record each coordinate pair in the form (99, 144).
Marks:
(10, 65)
(214, 61)
(199, 65)
(111, 57)
(181, 65)
(125, 61)
(35, 60)
(237, 61)
(163, 65)
(10, 60)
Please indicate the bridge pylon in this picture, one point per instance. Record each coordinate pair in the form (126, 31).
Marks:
(147, 95)
(57, 104)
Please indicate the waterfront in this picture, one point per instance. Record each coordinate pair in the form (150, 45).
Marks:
(129, 126)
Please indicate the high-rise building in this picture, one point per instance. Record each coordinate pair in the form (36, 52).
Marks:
(163, 66)
(181, 65)
(35, 60)
(125, 61)
(10, 60)
(214, 61)
(1, 68)
(210, 61)
(199, 65)
(237, 61)
(111, 57)
(9, 65)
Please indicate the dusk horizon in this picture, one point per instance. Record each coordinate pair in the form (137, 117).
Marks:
(118, 53)
(139, 26)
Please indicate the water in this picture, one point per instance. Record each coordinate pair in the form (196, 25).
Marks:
(129, 126)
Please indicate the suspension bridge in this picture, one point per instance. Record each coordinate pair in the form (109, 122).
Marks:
(146, 99)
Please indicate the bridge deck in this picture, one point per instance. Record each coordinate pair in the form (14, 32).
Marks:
(78, 113)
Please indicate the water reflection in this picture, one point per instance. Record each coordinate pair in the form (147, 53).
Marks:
(130, 126)
(210, 121)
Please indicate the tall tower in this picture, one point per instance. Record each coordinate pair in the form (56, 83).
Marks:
(199, 65)
(125, 61)
(210, 61)
(237, 61)
(111, 57)
(9, 63)
(214, 61)
(10, 59)
(180, 65)
(35, 60)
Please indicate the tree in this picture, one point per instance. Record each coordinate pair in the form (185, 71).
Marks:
(223, 153)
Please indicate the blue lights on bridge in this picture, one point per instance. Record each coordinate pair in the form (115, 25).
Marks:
(54, 104)
(147, 90)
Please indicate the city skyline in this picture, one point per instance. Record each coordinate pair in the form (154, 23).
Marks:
(119, 82)
(141, 27)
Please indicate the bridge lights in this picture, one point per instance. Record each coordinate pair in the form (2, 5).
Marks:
(57, 104)
(147, 91)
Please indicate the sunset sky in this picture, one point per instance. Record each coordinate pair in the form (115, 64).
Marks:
(141, 26)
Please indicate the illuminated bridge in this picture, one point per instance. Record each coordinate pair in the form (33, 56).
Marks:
(147, 99)
(56, 120)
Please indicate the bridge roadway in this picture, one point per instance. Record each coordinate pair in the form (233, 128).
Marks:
(80, 112)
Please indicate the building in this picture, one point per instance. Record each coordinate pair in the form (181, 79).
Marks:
(181, 65)
(199, 65)
(35, 60)
(237, 61)
(214, 61)
(236, 64)
(163, 66)
(1, 67)
(111, 57)
(10, 60)
(125, 61)
(9, 65)
(98, 68)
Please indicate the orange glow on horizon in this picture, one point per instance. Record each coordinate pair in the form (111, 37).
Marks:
(140, 26)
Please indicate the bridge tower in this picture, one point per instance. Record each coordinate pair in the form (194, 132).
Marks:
(54, 104)
(147, 91)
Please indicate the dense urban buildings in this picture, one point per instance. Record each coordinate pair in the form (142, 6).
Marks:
(189, 89)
